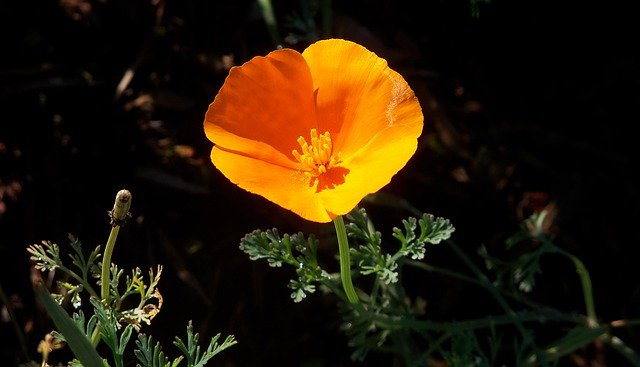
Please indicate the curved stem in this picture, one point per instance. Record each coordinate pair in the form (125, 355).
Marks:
(82, 280)
(585, 281)
(119, 215)
(105, 279)
(345, 261)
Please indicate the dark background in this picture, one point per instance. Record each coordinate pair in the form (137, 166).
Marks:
(528, 105)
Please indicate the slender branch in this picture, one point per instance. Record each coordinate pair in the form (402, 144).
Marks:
(465, 278)
(540, 316)
(82, 280)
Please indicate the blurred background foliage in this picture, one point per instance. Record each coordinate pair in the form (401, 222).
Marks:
(529, 105)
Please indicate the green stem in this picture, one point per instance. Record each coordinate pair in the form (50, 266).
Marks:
(106, 263)
(270, 19)
(455, 275)
(618, 345)
(95, 337)
(119, 215)
(81, 280)
(536, 316)
(585, 281)
(345, 261)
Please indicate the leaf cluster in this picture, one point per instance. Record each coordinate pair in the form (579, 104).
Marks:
(115, 319)
(146, 352)
(86, 273)
(294, 250)
(371, 326)
(46, 257)
(150, 355)
(389, 320)
(375, 327)
(368, 254)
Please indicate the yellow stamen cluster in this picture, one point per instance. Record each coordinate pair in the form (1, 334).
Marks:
(316, 158)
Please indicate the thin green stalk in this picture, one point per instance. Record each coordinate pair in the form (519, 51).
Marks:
(270, 19)
(624, 350)
(345, 261)
(455, 275)
(587, 289)
(119, 215)
(585, 281)
(538, 316)
(82, 280)
(106, 262)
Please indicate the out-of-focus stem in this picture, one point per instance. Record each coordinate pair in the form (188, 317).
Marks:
(270, 20)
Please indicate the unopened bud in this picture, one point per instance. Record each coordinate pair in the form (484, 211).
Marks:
(120, 213)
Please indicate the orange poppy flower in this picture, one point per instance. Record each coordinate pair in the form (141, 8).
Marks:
(314, 132)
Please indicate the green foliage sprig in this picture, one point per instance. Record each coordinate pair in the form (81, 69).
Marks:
(387, 319)
(112, 322)
(295, 250)
(46, 257)
(153, 356)
(368, 253)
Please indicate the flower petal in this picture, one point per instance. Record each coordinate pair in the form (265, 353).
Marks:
(288, 188)
(358, 95)
(372, 167)
(263, 107)
(337, 86)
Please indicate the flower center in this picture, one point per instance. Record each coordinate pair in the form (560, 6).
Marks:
(316, 158)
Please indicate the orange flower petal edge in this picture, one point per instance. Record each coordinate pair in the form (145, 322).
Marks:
(314, 132)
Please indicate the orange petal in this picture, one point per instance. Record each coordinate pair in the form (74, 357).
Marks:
(358, 95)
(263, 107)
(372, 167)
(285, 187)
